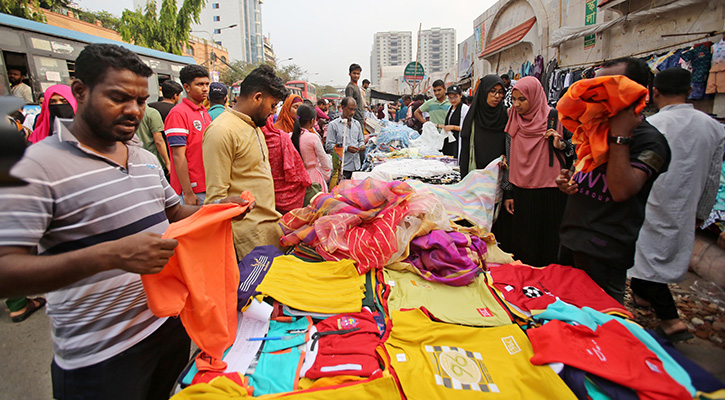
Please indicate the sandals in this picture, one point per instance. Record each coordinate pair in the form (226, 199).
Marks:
(33, 306)
(677, 336)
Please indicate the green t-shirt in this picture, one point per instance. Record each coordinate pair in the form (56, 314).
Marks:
(437, 110)
(150, 124)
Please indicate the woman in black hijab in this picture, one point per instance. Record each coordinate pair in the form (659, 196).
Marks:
(483, 138)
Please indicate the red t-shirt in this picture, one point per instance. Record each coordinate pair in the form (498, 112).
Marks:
(610, 352)
(184, 126)
(533, 289)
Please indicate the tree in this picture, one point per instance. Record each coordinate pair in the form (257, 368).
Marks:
(238, 70)
(165, 31)
(106, 19)
(27, 9)
(325, 89)
(54, 5)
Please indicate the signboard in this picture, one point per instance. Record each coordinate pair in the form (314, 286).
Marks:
(466, 52)
(413, 73)
(590, 18)
(479, 37)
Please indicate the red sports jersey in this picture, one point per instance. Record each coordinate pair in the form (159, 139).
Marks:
(610, 352)
(184, 126)
(533, 289)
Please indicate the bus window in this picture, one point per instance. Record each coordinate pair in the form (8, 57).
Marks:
(20, 62)
(51, 71)
(71, 69)
(154, 92)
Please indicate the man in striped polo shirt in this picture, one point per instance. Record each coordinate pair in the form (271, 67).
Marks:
(95, 208)
(436, 107)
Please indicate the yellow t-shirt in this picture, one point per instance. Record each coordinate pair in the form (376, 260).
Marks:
(436, 360)
(330, 287)
(472, 305)
(236, 159)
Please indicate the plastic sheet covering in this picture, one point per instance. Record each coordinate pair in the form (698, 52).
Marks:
(429, 139)
(425, 213)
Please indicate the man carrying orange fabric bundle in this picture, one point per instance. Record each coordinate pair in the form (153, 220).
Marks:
(609, 192)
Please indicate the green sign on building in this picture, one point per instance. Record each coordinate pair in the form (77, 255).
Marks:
(590, 19)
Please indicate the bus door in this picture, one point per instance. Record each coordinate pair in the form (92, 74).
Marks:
(18, 61)
(4, 86)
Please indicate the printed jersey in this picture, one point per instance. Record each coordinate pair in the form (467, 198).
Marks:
(435, 360)
(532, 289)
(201, 286)
(472, 305)
(600, 352)
(184, 126)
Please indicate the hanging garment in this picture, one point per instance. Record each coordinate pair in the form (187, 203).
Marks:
(538, 68)
(586, 108)
(700, 58)
(355, 221)
(324, 287)
(716, 77)
(278, 367)
(473, 304)
(434, 360)
(201, 286)
(600, 352)
(252, 270)
(452, 258)
(532, 289)
(344, 345)
(590, 318)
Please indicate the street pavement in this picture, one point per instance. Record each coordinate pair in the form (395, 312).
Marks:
(26, 354)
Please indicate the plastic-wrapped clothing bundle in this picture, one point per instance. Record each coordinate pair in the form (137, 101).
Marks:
(356, 221)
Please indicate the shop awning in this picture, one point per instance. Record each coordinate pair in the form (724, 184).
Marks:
(375, 94)
(508, 39)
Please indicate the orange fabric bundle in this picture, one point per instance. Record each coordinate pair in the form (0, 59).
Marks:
(585, 111)
(200, 281)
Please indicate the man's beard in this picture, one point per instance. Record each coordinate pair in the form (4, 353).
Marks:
(104, 130)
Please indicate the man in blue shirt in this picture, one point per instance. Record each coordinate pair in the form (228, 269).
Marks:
(354, 140)
(217, 99)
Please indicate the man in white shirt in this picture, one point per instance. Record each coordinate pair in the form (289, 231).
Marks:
(17, 86)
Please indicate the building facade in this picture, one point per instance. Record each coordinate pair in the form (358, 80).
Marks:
(582, 34)
(437, 49)
(233, 24)
(389, 49)
(269, 56)
(201, 50)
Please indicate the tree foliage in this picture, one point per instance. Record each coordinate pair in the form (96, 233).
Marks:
(239, 70)
(165, 30)
(107, 20)
(28, 9)
(325, 89)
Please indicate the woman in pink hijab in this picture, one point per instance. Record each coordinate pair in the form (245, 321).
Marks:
(59, 103)
(536, 157)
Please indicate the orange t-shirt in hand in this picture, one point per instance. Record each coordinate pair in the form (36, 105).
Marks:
(200, 281)
(585, 110)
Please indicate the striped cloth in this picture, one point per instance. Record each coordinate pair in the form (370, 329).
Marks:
(473, 198)
(357, 220)
(76, 199)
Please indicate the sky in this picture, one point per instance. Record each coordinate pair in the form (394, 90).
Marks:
(324, 37)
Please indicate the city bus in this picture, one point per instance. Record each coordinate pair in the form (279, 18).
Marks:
(46, 55)
(309, 91)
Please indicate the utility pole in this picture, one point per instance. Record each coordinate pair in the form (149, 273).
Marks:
(417, 55)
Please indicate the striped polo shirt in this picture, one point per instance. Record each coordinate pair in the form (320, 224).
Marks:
(436, 109)
(77, 198)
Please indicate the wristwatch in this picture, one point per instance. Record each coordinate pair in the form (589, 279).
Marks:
(619, 139)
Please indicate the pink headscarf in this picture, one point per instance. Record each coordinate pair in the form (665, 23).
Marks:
(529, 161)
(42, 126)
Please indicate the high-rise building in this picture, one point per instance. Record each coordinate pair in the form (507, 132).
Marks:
(389, 49)
(437, 49)
(244, 40)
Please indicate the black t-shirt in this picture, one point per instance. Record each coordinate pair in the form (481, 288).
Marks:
(162, 107)
(595, 224)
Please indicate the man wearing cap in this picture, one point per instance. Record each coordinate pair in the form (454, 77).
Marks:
(667, 236)
(437, 108)
(454, 121)
(217, 99)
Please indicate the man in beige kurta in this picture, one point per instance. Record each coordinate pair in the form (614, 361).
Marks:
(236, 159)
